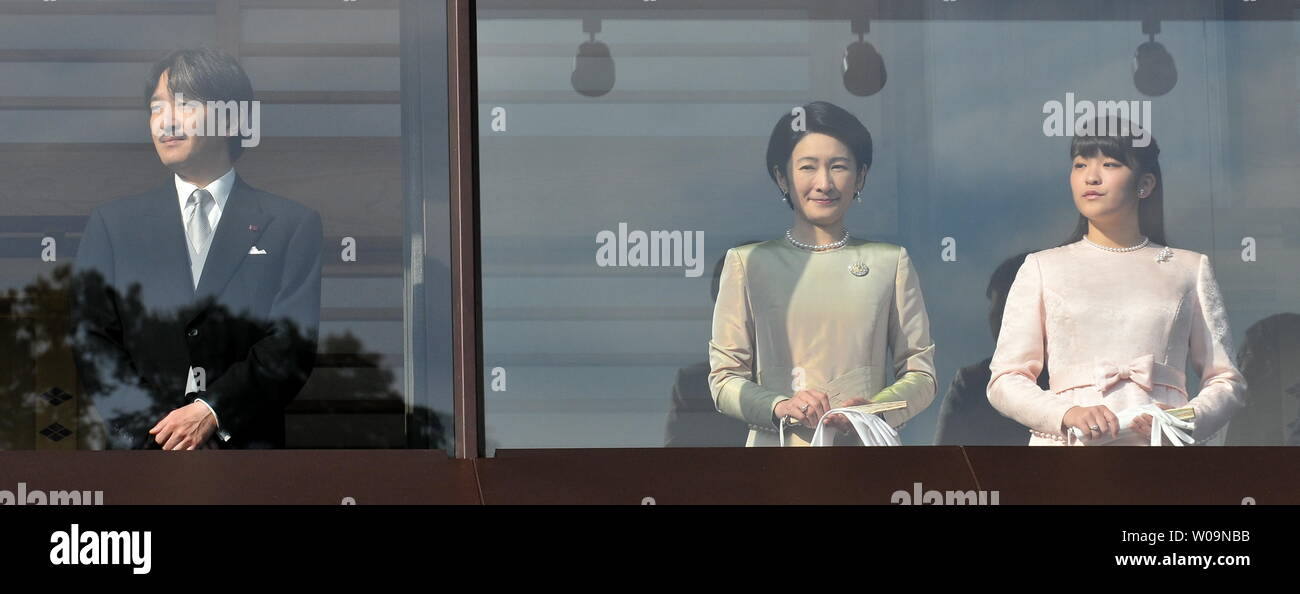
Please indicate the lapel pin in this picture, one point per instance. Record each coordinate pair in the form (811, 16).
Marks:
(252, 227)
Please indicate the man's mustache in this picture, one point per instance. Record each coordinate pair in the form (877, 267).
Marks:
(173, 131)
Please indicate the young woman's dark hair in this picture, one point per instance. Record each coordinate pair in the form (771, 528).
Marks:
(1141, 159)
(203, 74)
(824, 118)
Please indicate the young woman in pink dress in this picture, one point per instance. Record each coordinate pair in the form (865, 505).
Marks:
(1114, 314)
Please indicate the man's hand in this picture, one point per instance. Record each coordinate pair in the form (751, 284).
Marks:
(185, 428)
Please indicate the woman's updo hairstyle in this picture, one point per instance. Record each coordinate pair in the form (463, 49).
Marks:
(823, 118)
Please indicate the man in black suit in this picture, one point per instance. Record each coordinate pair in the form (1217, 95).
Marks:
(196, 305)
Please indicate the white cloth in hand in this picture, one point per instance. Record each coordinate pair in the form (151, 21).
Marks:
(871, 429)
(1162, 423)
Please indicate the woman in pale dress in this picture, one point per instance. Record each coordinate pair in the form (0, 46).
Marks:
(1114, 313)
(817, 319)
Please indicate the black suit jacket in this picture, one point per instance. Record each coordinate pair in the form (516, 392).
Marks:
(966, 416)
(693, 419)
(251, 324)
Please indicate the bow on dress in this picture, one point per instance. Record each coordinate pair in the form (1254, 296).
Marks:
(1138, 371)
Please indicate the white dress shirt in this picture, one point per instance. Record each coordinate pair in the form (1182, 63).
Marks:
(220, 190)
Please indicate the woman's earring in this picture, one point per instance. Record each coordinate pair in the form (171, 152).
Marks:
(857, 196)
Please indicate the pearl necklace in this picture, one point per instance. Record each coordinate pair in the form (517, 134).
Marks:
(817, 248)
(1145, 241)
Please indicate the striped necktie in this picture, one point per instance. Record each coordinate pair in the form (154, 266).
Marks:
(198, 228)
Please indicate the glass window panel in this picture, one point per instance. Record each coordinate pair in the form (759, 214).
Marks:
(330, 138)
(671, 137)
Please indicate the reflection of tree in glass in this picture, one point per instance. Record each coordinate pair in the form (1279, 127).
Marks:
(33, 348)
(346, 369)
(16, 423)
(112, 406)
(132, 357)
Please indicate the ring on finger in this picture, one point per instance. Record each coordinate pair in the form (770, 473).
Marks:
(1095, 428)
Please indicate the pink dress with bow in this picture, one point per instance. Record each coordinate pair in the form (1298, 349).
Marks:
(1114, 328)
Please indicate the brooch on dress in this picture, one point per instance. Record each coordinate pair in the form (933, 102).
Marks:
(1165, 255)
(858, 269)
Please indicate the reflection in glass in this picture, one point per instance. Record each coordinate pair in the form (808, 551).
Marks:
(966, 417)
(693, 419)
(327, 134)
(196, 306)
(1268, 360)
(967, 171)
